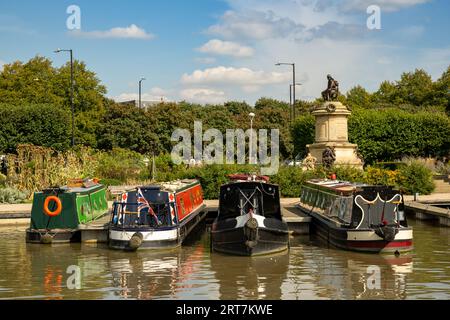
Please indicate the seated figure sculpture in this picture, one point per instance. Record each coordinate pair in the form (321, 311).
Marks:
(332, 91)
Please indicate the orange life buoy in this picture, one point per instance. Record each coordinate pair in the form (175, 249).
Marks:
(58, 210)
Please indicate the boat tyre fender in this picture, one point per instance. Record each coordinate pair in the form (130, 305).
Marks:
(388, 233)
(251, 233)
(252, 223)
(46, 239)
(136, 241)
(58, 209)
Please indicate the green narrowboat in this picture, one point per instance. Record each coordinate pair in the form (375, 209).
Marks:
(57, 213)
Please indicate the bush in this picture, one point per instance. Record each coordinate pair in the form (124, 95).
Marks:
(37, 124)
(121, 164)
(380, 176)
(12, 196)
(392, 134)
(348, 173)
(416, 177)
(290, 180)
(2, 180)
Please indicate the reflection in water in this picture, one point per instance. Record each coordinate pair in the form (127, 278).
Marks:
(310, 270)
(250, 277)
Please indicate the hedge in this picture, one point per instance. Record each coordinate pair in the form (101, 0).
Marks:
(37, 124)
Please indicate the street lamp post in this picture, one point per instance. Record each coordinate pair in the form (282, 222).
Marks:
(71, 91)
(252, 116)
(292, 88)
(140, 92)
(293, 83)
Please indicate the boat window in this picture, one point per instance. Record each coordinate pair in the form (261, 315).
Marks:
(257, 198)
(128, 215)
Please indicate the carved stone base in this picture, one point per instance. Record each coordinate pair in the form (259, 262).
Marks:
(345, 153)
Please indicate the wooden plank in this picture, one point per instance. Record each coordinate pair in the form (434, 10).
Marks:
(427, 209)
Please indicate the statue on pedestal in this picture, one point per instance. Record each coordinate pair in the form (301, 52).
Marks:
(309, 163)
(328, 157)
(332, 91)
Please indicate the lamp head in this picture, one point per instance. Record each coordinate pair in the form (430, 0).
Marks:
(252, 115)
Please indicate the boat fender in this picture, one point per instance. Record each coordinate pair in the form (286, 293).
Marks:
(388, 233)
(135, 241)
(46, 239)
(58, 209)
(252, 223)
(251, 233)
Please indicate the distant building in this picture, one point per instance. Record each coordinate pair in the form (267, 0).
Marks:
(145, 104)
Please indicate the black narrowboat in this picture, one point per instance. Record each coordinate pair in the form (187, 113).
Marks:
(357, 217)
(249, 220)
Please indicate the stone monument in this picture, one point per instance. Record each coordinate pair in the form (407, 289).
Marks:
(331, 146)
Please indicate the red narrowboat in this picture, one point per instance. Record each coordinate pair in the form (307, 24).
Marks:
(156, 216)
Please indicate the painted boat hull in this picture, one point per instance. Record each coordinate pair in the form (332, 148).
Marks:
(57, 236)
(363, 240)
(231, 237)
(155, 238)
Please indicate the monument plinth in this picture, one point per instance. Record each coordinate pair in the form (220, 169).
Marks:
(331, 146)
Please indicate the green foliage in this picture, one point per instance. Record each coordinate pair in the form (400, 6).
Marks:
(12, 196)
(38, 124)
(348, 173)
(392, 134)
(120, 164)
(290, 180)
(2, 180)
(127, 126)
(303, 133)
(111, 182)
(416, 177)
(358, 97)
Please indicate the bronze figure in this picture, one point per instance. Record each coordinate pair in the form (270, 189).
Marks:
(332, 91)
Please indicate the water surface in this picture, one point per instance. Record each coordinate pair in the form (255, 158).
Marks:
(310, 270)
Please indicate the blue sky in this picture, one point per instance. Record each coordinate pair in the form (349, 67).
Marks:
(210, 51)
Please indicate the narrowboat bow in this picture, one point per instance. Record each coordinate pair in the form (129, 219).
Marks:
(249, 221)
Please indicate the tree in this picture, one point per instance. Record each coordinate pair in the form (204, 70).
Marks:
(38, 124)
(32, 82)
(127, 126)
(358, 97)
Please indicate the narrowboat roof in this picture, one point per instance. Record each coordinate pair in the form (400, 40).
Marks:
(67, 189)
(174, 186)
(335, 186)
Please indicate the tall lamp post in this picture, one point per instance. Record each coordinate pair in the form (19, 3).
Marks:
(71, 91)
(293, 81)
(252, 116)
(140, 92)
(292, 103)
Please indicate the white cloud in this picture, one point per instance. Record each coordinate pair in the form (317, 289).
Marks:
(131, 32)
(203, 95)
(226, 48)
(1, 65)
(235, 76)
(321, 37)
(253, 25)
(155, 94)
